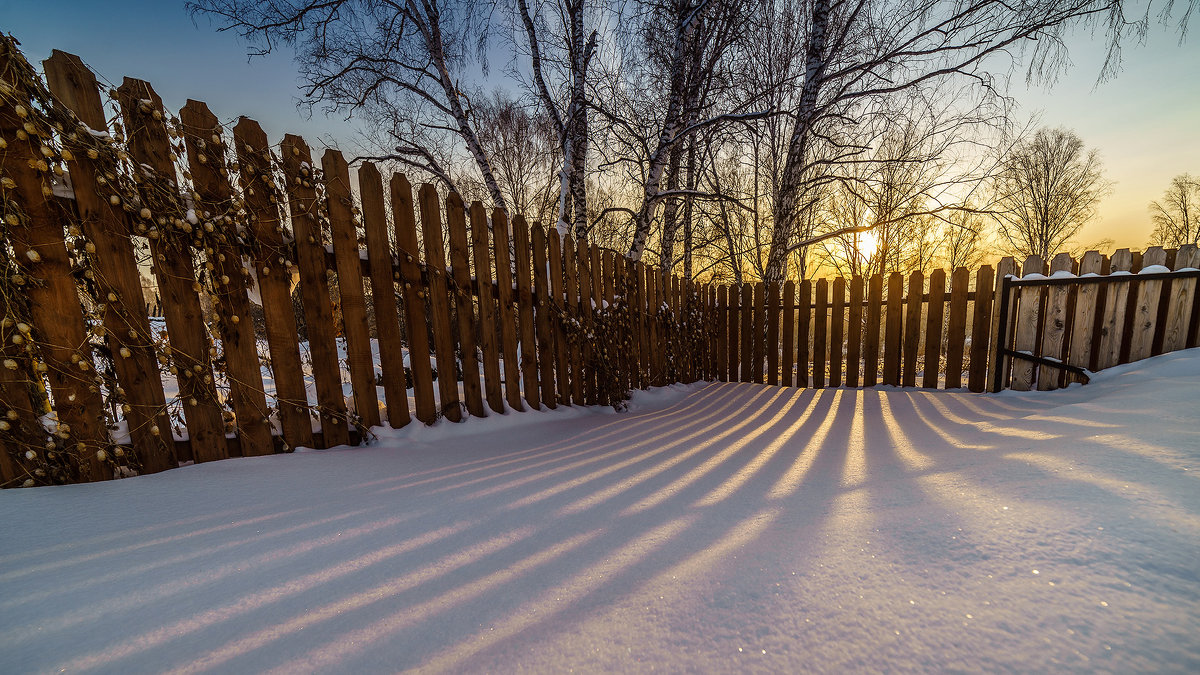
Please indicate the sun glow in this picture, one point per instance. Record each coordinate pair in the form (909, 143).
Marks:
(866, 243)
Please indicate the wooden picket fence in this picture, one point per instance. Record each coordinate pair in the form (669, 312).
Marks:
(474, 313)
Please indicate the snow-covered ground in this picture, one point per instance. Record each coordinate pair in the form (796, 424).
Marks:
(721, 527)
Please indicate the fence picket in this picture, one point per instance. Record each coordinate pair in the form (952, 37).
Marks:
(933, 328)
(873, 326)
(912, 328)
(415, 323)
(574, 351)
(1183, 298)
(956, 331)
(788, 304)
(464, 303)
(543, 306)
(1005, 268)
(746, 339)
(1148, 296)
(318, 311)
(187, 335)
(383, 295)
(893, 330)
(529, 357)
(1054, 333)
(981, 322)
(758, 333)
(344, 237)
(837, 322)
(437, 287)
(1113, 330)
(505, 314)
(127, 328)
(1084, 319)
(202, 135)
(820, 327)
(1025, 339)
(562, 369)
(854, 331)
(804, 295)
(271, 269)
(773, 291)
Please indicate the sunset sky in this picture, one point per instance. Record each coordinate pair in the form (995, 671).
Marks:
(1144, 123)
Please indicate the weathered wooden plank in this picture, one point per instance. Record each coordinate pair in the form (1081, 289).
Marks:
(171, 249)
(505, 290)
(893, 337)
(344, 236)
(1083, 321)
(804, 295)
(759, 332)
(202, 136)
(444, 344)
(127, 328)
(522, 266)
(1183, 299)
(557, 307)
(981, 329)
(820, 330)
(543, 307)
(912, 328)
(1054, 333)
(583, 263)
(733, 322)
(854, 332)
(837, 328)
(1113, 330)
(272, 261)
(574, 346)
(1025, 335)
(773, 291)
(383, 295)
(464, 303)
(872, 327)
(788, 360)
(595, 266)
(721, 324)
(933, 328)
(1006, 267)
(956, 331)
(318, 310)
(747, 336)
(1146, 319)
(409, 256)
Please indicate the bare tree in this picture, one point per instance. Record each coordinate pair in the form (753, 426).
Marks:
(1047, 188)
(1177, 216)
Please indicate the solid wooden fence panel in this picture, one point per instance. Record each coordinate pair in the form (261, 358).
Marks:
(38, 243)
(788, 360)
(759, 333)
(127, 328)
(202, 136)
(574, 346)
(505, 314)
(1006, 267)
(1146, 319)
(933, 328)
(981, 330)
(804, 298)
(733, 318)
(854, 332)
(1183, 299)
(587, 340)
(557, 308)
(272, 260)
(912, 328)
(873, 325)
(837, 323)
(408, 252)
(543, 306)
(893, 330)
(773, 333)
(464, 303)
(1083, 322)
(356, 331)
(150, 147)
(956, 330)
(1025, 335)
(820, 337)
(529, 357)
(747, 338)
(318, 310)
(437, 286)
(1054, 340)
(1113, 330)
(383, 295)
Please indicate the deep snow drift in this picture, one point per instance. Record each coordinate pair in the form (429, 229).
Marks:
(719, 527)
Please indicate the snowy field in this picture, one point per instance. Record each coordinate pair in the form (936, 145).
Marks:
(723, 527)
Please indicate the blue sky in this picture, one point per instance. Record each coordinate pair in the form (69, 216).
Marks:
(1146, 122)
